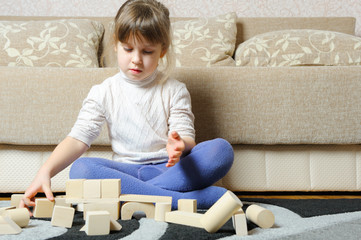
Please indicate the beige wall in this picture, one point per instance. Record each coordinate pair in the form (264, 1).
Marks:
(191, 8)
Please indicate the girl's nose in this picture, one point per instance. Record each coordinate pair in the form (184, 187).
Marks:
(137, 58)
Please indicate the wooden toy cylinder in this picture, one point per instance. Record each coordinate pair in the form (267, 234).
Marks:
(221, 212)
(20, 216)
(264, 218)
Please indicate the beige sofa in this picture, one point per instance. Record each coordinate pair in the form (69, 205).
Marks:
(293, 128)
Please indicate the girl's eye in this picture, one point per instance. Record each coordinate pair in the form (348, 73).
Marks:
(127, 49)
(148, 52)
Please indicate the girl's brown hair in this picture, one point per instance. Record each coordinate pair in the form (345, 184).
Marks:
(149, 19)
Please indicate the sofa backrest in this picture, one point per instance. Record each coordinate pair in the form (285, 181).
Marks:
(247, 27)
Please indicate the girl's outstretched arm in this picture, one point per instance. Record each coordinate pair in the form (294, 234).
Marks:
(63, 155)
(177, 146)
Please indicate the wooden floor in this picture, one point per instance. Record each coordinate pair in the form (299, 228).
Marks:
(301, 196)
(276, 195)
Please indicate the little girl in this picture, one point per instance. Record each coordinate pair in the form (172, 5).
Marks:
(149, 119)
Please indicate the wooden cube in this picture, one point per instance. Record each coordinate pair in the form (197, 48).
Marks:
(74, 188)
(187, 205)
(15, 200)
(97, 223)
(111, 188)
(92, 188)
(43, 208)
(61, 201)
(63, 216)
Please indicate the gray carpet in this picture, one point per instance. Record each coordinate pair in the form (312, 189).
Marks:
(318, 224)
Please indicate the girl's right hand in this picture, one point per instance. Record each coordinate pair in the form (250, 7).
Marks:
(41, 183)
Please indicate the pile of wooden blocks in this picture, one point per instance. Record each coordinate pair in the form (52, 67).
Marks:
(13, 219)
(99, 199)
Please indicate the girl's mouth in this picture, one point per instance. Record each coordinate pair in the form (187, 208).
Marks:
(134, 70)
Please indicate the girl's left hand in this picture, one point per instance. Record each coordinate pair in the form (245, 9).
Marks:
(175, 148)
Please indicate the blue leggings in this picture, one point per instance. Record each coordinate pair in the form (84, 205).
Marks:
(191, 178)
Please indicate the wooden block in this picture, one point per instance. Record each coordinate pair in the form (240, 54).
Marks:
(15, 200)
(43, 208)
(20, 216)
(129, 208)
(160, 210)
(114, 225)
(221, 212)
(112, 207)
(8, 226)
(144, 198)
(3, 209)
(97, 223)
(264, 218)
(238, 212)
(184, 218)
(187, 205)
(61, 201)
(111, 188)
(80, 207)
(92, 188)
(89, 200)
(240, 223)
(74, 188)
(63, 216)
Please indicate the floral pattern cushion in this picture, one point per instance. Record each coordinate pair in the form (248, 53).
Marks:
(302, 47)
(205, 41)
(60, 43)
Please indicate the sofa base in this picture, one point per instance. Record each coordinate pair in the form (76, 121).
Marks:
(256, 167)
(295, 168)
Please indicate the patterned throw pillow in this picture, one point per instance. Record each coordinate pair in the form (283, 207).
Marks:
(205, 41)
(302, 47)
(58, 43)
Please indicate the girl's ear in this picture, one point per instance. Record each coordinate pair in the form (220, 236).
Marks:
(164, 51)
(115, 43)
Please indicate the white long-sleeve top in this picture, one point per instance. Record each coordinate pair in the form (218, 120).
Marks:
(139, 116)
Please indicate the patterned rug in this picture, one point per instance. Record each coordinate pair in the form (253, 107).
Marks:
(295, 219)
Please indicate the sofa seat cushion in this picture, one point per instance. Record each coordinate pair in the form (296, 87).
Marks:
(56, 43)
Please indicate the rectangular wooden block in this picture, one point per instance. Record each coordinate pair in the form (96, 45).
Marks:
(114, 225)
(184, 218)
(240, 223)
(112, 207)
(144, 198)
(43, 208)
(111, 188)
(74, 188)
(92, 188)
(97, 223)
(187, 205)
(89, 200)
(63, 216)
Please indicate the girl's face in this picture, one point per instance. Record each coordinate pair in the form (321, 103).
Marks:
(138, 58)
